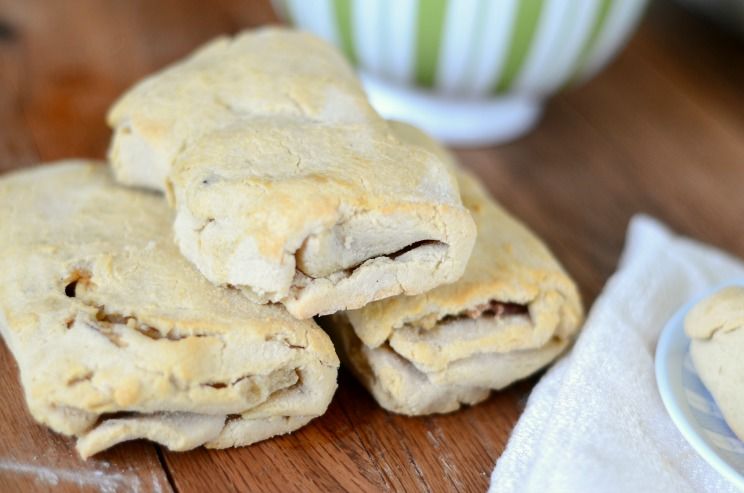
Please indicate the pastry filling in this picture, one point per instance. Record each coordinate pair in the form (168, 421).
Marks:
(78, 276)
(321, 268)
(396, 254)
(492, 309)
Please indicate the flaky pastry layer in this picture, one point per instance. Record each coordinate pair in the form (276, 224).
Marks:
(513, 311)
(117, 336)
(286, 183)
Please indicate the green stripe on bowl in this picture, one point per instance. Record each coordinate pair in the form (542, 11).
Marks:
(344, 21)
(591, 41)
(429, 32)
(523, 34)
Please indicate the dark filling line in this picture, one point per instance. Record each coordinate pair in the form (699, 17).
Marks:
(396, 254)
(492, 309)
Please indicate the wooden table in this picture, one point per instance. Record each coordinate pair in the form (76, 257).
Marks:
(661, 131)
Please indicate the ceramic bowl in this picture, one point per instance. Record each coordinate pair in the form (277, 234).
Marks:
(469, 71)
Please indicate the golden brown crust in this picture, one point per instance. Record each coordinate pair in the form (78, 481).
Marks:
(514, 310)
(285, 181)
(104, 316)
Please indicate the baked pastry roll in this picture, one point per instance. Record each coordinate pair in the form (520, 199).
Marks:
(716, 327)
(118, 337)
(286, 183)
(513, 311)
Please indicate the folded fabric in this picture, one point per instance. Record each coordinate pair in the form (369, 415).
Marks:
(118, 337)
(716, 327)
(595, 422)
(513, 311)
(286, 183)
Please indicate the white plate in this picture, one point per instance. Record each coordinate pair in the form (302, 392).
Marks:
(689, 403)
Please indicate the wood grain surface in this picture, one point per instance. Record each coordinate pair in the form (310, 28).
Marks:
(660, 131)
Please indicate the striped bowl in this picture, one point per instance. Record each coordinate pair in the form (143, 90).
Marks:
(469, 71)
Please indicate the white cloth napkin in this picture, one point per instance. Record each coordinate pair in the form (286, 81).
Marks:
(596, 422)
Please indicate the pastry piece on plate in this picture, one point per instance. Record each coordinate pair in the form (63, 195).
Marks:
(513, 311)
(286, 183)
(118, 337)
(716, 327)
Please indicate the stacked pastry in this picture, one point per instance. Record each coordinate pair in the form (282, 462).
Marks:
(511, 313)
(286, 183)
(117, 336)
(185, 317)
